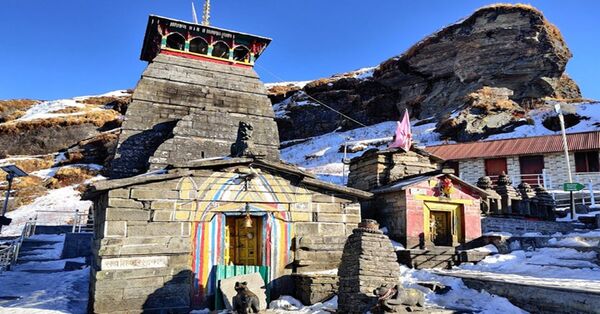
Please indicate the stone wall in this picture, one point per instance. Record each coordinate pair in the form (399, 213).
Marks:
(313, 288)
(520, 226)
(143, 242)
(377, 168)
(185, 109)
(471, 170)
(389, 210)
(539, 298)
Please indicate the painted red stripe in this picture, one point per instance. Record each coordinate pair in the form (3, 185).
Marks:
(196, 57)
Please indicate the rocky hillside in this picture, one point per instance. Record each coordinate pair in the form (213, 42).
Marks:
(480, 76)
(61, 144)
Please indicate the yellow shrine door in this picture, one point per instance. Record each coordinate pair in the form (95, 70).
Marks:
(443, 224)
(245, 242)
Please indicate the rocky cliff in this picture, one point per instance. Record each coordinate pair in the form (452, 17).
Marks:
(476, 77)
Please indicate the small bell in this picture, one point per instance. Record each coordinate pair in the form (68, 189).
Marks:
(248, 219)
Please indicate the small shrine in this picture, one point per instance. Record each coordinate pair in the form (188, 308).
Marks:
(522, 201)
(491, 204)
(528, 199)
(420, 204)
(510, 198)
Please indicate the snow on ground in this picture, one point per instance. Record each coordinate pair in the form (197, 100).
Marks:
(321, 154)
(58, 208)
(556, 263)
(116, 93)
(460, 297)
(48, 109)
(588, 109)
(44, 110)
(299, 84)
(38, 284)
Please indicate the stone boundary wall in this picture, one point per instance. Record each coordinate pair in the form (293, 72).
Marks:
(521, 226)
(540, 299)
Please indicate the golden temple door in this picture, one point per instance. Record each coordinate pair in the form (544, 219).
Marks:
(245, 242)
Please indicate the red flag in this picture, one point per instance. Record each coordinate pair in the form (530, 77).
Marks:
(403, 137)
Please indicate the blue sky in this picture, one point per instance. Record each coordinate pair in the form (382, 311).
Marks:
(65, 48)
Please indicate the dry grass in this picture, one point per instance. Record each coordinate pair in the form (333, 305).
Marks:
(33, 164)
(14, 108)
(118, 103)
(69, 176)
(27, 189)
(16, 104)
(68, 110)
(98, 101)
(491, 100)
(99, 118)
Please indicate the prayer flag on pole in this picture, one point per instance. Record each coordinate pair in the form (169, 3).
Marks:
(403, 137)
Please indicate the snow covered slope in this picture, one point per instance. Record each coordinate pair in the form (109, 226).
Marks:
(323, 154)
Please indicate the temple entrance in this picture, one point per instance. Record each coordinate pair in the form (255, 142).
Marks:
(244, 240)
(443, 224)
(441, 233)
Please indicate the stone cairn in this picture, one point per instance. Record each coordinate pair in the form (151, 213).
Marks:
(368, 262)
(510, 198)
(545, 203)
(529, 200)
(490, 204)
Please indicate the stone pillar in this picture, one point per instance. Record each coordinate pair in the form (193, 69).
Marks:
(489, 205)
(510, 198)
(529, 202)
(368, 262)
(545, 203)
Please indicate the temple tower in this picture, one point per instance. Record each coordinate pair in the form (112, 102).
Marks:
(198, 86)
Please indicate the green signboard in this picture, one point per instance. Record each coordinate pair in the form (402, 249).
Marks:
(572, 187)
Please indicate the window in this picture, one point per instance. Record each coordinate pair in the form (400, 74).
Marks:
(220, 50)
(495, 166)
(198, 45)
(587, 162)
(241, 53)
(175, 41)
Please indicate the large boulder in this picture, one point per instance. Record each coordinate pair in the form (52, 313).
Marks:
(508, 51)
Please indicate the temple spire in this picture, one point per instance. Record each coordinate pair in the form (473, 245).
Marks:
(206, 13)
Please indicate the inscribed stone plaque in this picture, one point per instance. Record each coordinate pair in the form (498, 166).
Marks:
(134, 262)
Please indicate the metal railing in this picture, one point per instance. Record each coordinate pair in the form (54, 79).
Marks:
(532, 179)
(79, 221)
(10, 253)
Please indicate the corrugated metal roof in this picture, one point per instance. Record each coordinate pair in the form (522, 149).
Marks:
(517, 146)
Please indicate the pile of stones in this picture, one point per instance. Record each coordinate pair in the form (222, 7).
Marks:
(369, 266)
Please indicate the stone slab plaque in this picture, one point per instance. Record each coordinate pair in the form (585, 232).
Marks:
(134, 262)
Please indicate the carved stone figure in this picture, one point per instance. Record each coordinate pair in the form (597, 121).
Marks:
(398, 300)
(245, 301)
(244, 144)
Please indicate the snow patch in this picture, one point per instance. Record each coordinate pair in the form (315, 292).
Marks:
(55, 208)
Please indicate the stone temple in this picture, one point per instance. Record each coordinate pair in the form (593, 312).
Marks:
(223, 204)
(199, 84)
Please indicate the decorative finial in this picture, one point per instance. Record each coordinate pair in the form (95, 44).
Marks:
(206, 13)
